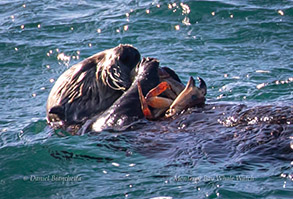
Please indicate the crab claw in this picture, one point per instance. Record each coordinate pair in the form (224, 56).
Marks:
(202, 85)
(189, 97)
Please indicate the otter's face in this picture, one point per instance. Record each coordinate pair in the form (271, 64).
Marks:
(117, 66)
(191, 96)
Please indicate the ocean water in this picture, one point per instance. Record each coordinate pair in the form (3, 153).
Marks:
(242, 49)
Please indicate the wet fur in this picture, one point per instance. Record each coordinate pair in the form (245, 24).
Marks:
(127, 109)
(91, 86)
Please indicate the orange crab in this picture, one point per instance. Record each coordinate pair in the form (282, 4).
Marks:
(176, 98)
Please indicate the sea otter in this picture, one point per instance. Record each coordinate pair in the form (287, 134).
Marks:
(91, 86)
(130, 107)
(106, 91)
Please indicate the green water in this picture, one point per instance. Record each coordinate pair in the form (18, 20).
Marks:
(242, 49)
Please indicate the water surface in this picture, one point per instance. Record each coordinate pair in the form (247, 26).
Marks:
(242, 49)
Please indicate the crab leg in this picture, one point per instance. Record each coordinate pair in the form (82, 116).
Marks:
(144, 106)
(153, 100)
(159, 102)
(158, 89)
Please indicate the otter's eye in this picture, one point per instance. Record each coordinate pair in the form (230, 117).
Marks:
(193, 97)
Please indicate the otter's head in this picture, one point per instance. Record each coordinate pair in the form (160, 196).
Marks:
(93, 85)
(117, 65)
(191, 96)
